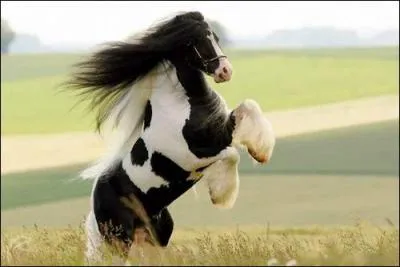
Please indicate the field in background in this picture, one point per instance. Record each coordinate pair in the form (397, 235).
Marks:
(25, 66)
(276, 79)
(300, 206)
(334, 152)
(281, 200)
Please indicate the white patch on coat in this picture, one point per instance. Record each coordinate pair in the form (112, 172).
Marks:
(142, 176)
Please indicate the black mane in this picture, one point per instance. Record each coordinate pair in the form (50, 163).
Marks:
(107, 75)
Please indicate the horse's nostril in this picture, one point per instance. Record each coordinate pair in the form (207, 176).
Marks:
(224, 70)
(221, 76)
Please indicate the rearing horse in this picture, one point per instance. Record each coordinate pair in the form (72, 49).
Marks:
(172, 129)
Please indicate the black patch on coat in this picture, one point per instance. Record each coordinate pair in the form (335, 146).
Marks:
(206, 136)
(139, 153)
(167, 169)
(147, 115)
(176, 177)
(209, 129)
(164, 225)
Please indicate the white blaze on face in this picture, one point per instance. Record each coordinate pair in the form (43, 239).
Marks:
(224, 71)
(215, 45)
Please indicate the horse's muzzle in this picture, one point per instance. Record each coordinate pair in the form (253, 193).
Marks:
(224, 71)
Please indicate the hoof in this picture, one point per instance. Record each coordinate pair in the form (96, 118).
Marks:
(261, 158)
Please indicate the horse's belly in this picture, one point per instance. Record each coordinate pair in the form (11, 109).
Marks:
(161, 179)
(142, 176)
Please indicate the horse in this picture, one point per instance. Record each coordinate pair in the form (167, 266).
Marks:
(170, 130)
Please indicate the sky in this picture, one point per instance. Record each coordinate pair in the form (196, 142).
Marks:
(92, 22)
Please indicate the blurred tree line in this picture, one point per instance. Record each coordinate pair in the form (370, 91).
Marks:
(7, 36)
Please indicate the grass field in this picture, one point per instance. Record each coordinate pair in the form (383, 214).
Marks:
(277, 79)
(256, 246)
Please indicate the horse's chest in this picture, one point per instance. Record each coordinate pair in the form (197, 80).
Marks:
(168, 118)
(187, 130)
(177, 139)
(160, 158)
(208, 130)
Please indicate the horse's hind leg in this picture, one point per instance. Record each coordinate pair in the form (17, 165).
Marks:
(254, 131)
(163, 224)
(94, 240)
(157, 229)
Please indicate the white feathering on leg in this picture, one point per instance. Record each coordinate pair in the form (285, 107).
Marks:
(222, 178)
(94, 240)
(254, 131)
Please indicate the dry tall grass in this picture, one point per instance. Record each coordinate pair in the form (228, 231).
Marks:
(359, 245)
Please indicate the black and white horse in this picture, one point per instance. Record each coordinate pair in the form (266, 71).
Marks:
(171, 129)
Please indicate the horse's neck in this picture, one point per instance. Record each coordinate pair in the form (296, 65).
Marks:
(192, 80)
(209, 124)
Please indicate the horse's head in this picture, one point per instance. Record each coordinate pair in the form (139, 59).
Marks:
(205, 53)
(190, 38)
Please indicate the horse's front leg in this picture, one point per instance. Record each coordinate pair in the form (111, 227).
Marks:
(253, 130)
(222, 177)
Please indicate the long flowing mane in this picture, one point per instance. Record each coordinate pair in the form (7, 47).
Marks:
(114, 80)
(105, 77)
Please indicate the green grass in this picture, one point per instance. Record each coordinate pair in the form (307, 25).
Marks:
(284, 200)
(371, 149)
(42, 186)
(17, 67)
(362, 244)
(387, 53)
(35, 106)
(276, 79)
(283, 82)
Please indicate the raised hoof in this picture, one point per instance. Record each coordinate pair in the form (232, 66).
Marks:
(263, 158)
